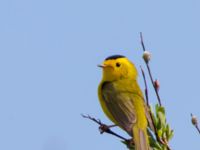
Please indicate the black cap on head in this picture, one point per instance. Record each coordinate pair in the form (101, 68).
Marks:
(115, 57)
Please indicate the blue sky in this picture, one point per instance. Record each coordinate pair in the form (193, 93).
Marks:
(49, 51)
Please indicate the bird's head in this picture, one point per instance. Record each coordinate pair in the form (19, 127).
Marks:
(118, 67)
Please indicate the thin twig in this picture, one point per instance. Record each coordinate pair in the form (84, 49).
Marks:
(103, 127)
(146, 88)
(147, 98)
(141, 38)
(195, 122)
(151, 122)
(152, 81)
(197, 127)
(149, 71)
(150, 113)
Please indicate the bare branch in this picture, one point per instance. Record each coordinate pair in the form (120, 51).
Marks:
(103, 127)
(143, 46)
(146, 88)
(149, 71)
(195, 122)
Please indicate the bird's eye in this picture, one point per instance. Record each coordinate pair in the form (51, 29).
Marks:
(118, 64)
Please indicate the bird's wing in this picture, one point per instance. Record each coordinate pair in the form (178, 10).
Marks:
(103, 104)
(120, 106)
(136, 91)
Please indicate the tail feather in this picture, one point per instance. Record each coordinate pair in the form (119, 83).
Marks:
(140, 138)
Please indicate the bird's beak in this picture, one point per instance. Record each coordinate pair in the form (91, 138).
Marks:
(104, 66)
(101, 66)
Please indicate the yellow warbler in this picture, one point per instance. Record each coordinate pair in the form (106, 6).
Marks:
(122, 100)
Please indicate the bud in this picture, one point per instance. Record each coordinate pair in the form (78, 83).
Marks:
(146, 56)
(194, 120)
(157, 84)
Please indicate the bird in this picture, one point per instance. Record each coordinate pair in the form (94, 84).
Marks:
(122, 100)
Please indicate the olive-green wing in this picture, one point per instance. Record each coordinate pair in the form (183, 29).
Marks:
(120, 106)
(134, 88)
(103, 104)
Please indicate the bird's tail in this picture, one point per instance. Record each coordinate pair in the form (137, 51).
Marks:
(140, 138)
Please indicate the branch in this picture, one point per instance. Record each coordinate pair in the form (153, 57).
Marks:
(151, 121)
(155, 83)
(104, 128)
(146, 57)
(195, 122)
(146, 88)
